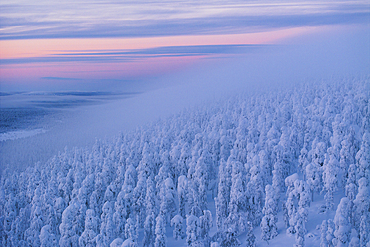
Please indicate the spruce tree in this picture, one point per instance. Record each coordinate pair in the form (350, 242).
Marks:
(160, 232)
(149, 230)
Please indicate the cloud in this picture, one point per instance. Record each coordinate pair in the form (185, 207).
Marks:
(192, 50)
(135, 54)
(59, 78)
(79, 19)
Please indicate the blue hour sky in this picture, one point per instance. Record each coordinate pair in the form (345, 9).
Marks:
(73, 42)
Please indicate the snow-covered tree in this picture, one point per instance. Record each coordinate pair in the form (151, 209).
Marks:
(250, 237)
(165, 170)
(47, 238)
(120, 213)
(255, 193)
(129, 243)
(364, 230)
(303, 159)
(201, 179)
(363, 158)
(285, 154)
(291, 213)
(268, 227)
(278, 174)
(330, 232)
(177, 223)
(215, 244)
(318, 152)
(150, 197)
(91, 226)
(330, 178)
(205, 225)
(146, 166)
(192, 230)
(131, 230)
(355, 241)
(86, 189)
(36, 224)
(68, 234)
(323, 230)
(302, 191)
(182, 194)
(185, 157)
(107, 227)
(116, 243)
(168, 199)
(237, 206)
(225, 145)
(160, 232)
(139, 198)
(342, 231)
(362, 201)
(300, 229)
(351, 187)
(59, 206)
(345, 160)
(313, 178)
(230, 239)
(269, 220)
(223, 196)
(128, 188)
(149, 230)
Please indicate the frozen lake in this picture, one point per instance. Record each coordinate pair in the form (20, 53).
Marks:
(36, 125)
(29, 113)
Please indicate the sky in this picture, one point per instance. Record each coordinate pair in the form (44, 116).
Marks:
(64, 45)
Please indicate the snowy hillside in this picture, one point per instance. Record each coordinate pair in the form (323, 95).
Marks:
(281, 168)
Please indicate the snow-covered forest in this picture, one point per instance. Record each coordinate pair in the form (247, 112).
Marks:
(218, 175)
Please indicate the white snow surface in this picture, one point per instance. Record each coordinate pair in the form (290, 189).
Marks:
(14, 135)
